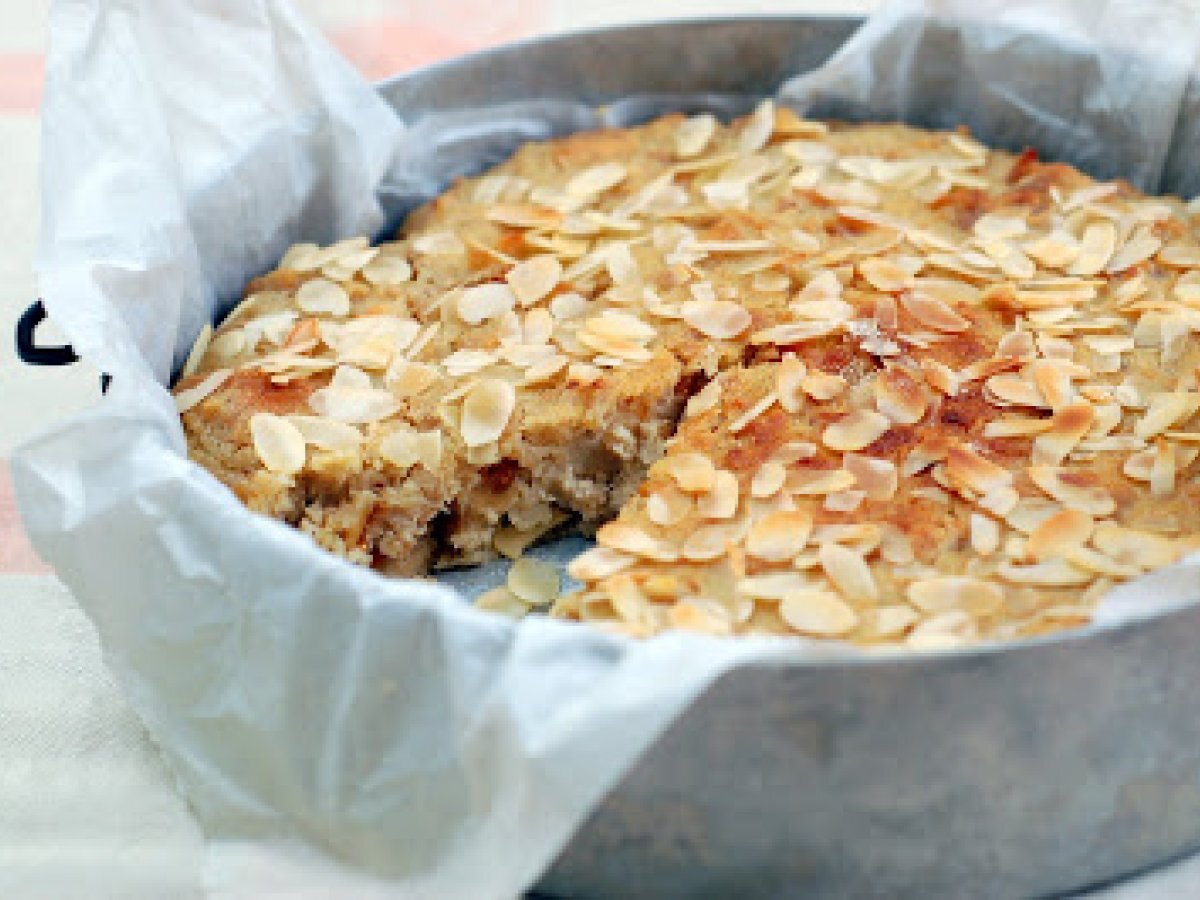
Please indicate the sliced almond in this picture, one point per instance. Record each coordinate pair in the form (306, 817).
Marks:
(693, 472)
(629, 538)
(710, 541)
(899, 397)
(817, 612)
(768, 480)
(202, 390)
(597, 179)
(848, 571)
(933, 313)
(972, 595)
(1053, 572)
(328, 434)
(1165, 410)
(985, 534)
(779, 536)
(878, 478)
(1143, 549)
(1058, 533)
(484, 301)
(855, 431)
(599, 562)
(722, 501)
(1072, 489)
(486, 411)
(718, 319)
(694, 134)
(668, 505)
(320, 295)
(534, 278)
(789, 378)
(533, 582)
(1095, 248)
(278, 443)
(1067, 428)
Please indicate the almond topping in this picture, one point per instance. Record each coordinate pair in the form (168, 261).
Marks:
(933, 313)
(848, 571)
(899, 397)
(718, 319)
(668, 505)
(533, 582)
(858, 429)
(939, 595)
(202, 390)
(596, 563)
(534, 278)
(768, 480)
(788, 381)
(722, 501)
(694, 134)
(1067, 428)
(816, 612)
(1072, 490)
(693, 472)
(618, 535)
(485, 301)
(486, 410)
(878, 478)
(1095, 249)
(597, 179)
(1165, 410)
(710, 541)
(1059, 532)
(985, 534)
(278, 443)
(779, 536)
(323, 296)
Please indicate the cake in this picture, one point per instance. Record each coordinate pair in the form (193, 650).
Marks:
(864, 383)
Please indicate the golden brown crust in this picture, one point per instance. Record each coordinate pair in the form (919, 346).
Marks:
(936, 393)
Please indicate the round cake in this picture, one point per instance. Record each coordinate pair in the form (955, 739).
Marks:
(856, 382)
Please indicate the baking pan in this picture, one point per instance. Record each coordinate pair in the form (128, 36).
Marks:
(1021, 770)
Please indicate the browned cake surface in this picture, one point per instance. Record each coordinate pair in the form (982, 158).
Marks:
(937, 393)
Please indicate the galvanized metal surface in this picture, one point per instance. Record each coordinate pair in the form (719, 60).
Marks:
(1019, 771)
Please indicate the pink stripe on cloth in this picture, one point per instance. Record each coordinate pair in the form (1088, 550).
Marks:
(16, 554)
(21, 82)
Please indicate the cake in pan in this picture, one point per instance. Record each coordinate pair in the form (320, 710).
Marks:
(855, 382)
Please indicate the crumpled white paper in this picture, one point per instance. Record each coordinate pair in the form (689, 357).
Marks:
(332, 729)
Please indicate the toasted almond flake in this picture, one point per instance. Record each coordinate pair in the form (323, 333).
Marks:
(1067, 428)
(899, 397)
(788, 383)
(718, 319)
(1058, 532)
(1095, 248)
(502, 601)
(596, 563)
(891, 621)
(1165, 410)
(700, 614)
(320, 295)
(848, 571)
(885, 275)
(351, 404)
(971, 595)
(583, 374)
(877, 478)
(545, 370)
(619, 535)
(524, 215)
(704, 399)
(693, 472)
(1162, 470)
(768, 480)
(757, 127)
(534, 278)
(387, 271)
(406, 447)
(722, 501)
(533, 582)
(859, 429)
(1003, 428)
(740, 424)
(844, 501)
(817, 612)
(1053, 380)
(1138, 548)
(822, 386)
(668, 505)
(467, 362)
(694, 134)
(1099, 564)
(1053, 572)
(779, 536)
(1013, 390)
(199, 348)
(228, 344)
(1072, 490)
(619, 325)
(484, 301)
(597, 179)
(1141, 246)
(278, 443)
(327, 434)
(816, 482)
(793, 332)
(968, 467)
(942, 632)
(985, 534)
(772, 585)
(823, 287)
(932, 313)
(197, 393)
(711, 541)
(486, 411)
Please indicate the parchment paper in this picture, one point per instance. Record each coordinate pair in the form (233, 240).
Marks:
(334, 730)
